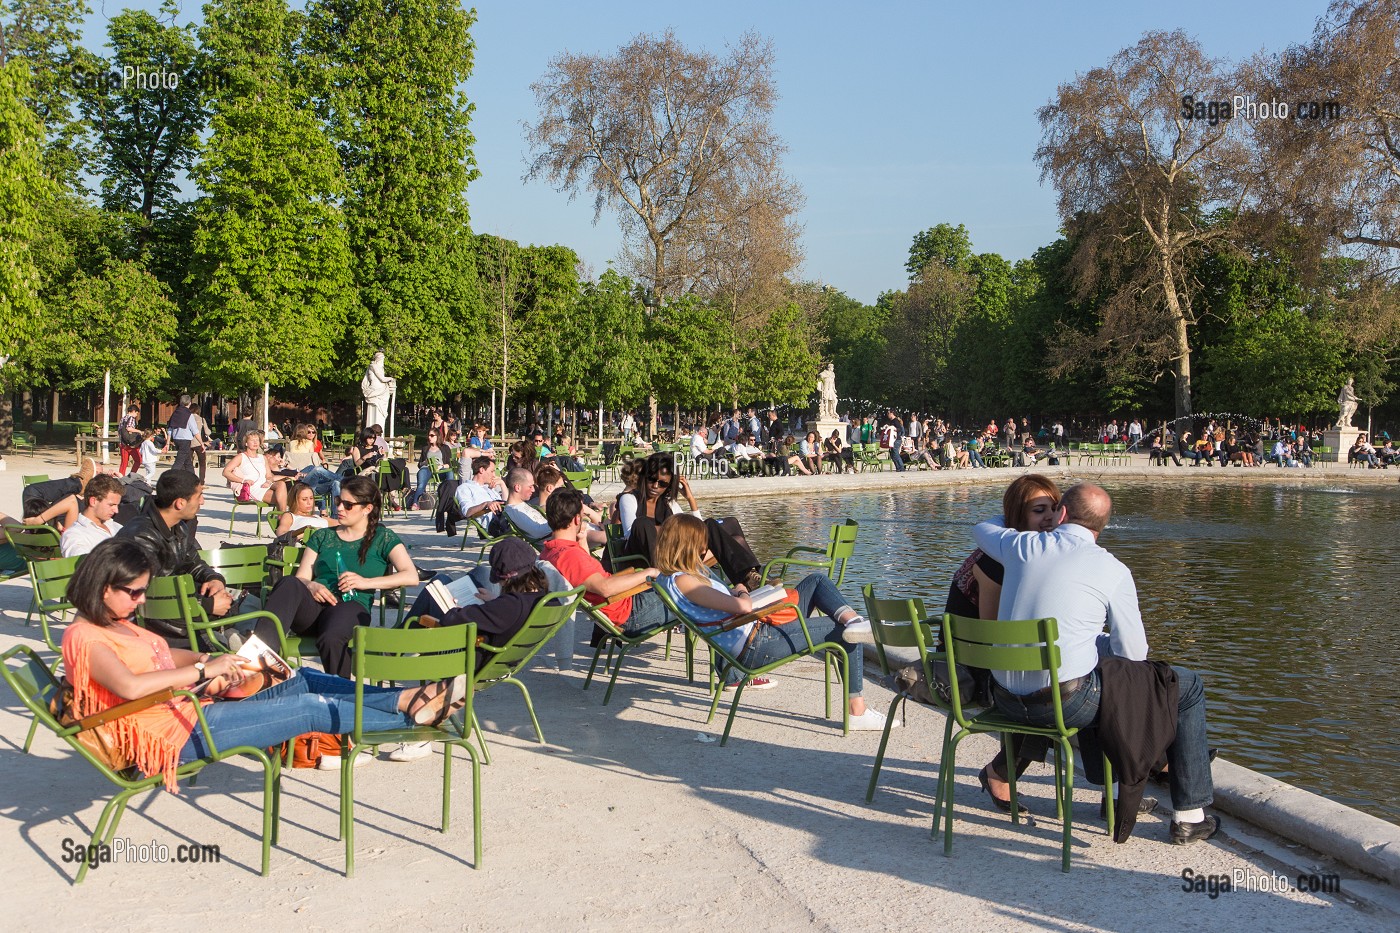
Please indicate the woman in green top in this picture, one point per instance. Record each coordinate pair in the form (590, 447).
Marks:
(340, 570)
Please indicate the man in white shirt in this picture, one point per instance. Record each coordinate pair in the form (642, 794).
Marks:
(1064, 574)
(484, 492)
(101, 499)
(527, 518)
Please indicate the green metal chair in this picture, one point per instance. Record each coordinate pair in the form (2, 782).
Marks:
(243, 568)
(503, 663)
(51, 590)
(257, 504)
(50, 579)
(869, 457)
(582, 480)
(32, 478)
(36, 686)
(402, 655)
(484, 540)
(34, 544)
(840, 545)
(614, 638)
(901, 623)
(175, 600)
(1010, 646)
(832, 654)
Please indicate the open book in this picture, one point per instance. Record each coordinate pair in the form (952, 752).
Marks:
(767, 596)
(262, 667)
(444, 599)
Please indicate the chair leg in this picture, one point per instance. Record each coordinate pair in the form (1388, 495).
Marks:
(1009, 748)
(949, 786)
(733, 708)
(269, 815)
(1109, 803)
(597, 653)
(480, 738)
(529, 707)
(29, 739)
(612, 680)
(943, 774)
(447, 781)
(106, 828)
(884, 740)
(1068, 804)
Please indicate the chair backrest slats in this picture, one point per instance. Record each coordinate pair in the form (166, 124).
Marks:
(549, 613)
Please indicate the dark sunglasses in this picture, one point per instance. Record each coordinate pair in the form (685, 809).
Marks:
(347, 503)
(134, 592)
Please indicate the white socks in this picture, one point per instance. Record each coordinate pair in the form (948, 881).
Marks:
(1189, 816)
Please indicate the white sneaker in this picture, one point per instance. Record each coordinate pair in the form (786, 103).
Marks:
(858, 632)
(411, 751)
(332, 762)
(872, 720)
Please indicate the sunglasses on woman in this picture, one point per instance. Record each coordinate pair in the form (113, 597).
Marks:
(347, 503)
(136, 592)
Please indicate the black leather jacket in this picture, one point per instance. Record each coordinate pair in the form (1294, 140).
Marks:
(175, 550)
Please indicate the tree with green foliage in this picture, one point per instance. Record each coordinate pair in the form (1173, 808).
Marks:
(386, 80)
(25, 193)
(119, 321)
(271, 266)
(853, 339)
(1142, 187)
(780, 366)
(147, 130)
(691, 366)
(918, 336)
(944, 244)
(45, 34)
(596, 349)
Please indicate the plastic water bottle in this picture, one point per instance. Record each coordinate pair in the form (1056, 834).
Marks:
(347, 595)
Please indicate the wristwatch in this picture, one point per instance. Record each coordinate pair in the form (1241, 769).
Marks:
(199, 669)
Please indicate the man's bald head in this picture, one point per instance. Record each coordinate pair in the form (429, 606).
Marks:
(1087, 505)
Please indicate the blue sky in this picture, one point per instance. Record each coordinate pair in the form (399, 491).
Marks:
(897, 116)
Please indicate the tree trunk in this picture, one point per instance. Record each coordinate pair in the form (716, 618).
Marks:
(1181, 364)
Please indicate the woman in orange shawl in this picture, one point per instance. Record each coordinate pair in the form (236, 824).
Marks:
(110, 660)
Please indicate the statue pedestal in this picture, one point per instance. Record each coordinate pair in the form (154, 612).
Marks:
(824, 429)
(1340, 440)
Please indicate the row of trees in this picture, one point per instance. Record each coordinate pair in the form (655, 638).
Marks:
(1240, 259)
(294, 198)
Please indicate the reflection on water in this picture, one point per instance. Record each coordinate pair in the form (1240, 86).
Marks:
(1277, 594)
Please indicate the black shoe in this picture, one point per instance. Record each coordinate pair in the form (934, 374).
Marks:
(1003, 805)
(1187, 833)
(425, 575)
(1145, 806)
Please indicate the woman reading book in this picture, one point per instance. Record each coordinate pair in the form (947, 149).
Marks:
(680, 556)
(110, 660)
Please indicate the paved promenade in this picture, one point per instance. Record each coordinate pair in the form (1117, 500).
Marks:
(632, 814)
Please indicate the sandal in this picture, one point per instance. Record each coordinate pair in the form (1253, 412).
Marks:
(429, 706)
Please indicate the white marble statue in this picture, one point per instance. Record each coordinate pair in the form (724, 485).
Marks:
(1346, 403)
(378, 390)
(826, 394)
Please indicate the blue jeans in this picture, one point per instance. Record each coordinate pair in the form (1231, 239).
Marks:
(648, 613)
(425, 473)
(975, 458)
(309, 702)
(1188, 756)
(894, 458)
(460, 585)
(323, 482)
(774, 642)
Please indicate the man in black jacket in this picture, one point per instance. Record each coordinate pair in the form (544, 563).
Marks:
(166, 529)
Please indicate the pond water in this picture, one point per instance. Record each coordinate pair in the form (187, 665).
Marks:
(1278, 595)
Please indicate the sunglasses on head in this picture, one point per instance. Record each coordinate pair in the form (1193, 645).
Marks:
(134, 592)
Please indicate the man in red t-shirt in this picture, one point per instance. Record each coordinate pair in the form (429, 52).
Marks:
(633, 615)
